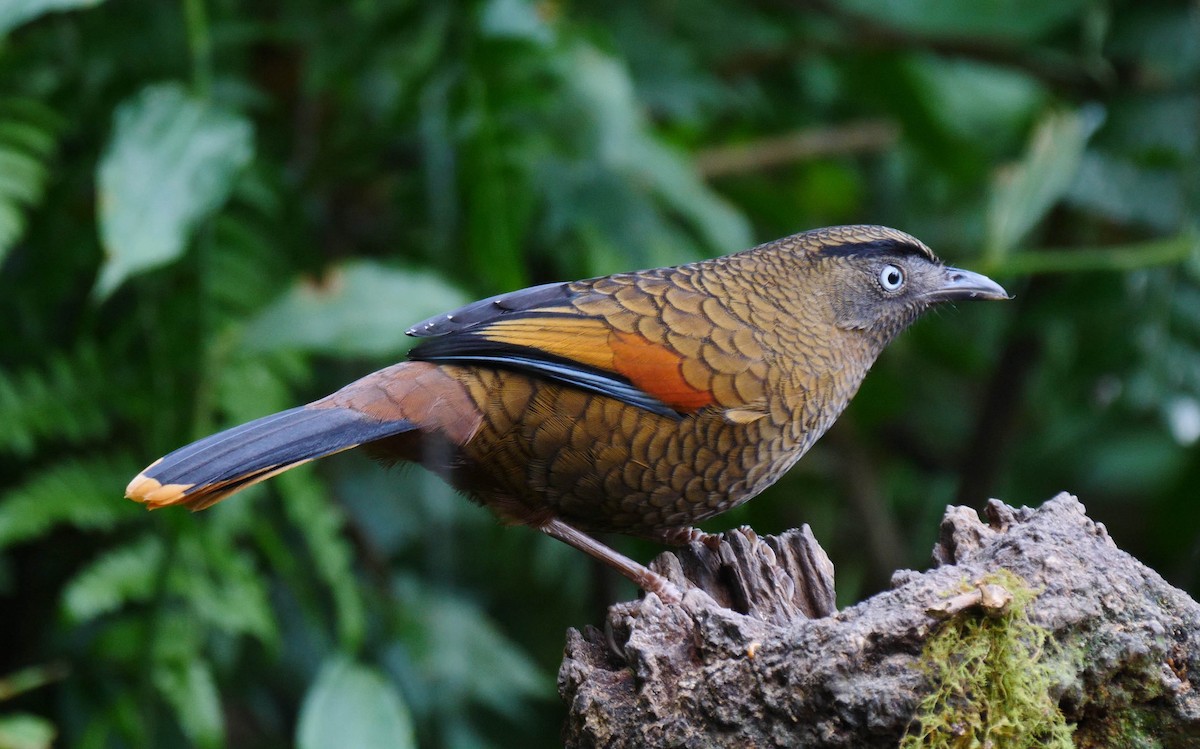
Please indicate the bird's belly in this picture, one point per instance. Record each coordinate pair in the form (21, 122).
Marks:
(550, 451)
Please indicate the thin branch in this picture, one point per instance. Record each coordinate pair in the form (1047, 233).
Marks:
(1124, 257)
(802, 145)
(31, 678)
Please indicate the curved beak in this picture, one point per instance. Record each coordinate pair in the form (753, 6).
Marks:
(964, 284)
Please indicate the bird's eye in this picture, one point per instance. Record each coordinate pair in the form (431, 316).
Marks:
(891, 278)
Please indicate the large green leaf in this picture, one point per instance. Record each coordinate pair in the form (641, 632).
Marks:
(626, 144)
(359, 308)
(13, 13)
(977, 102)
(352, 705)
(1025, 192)
(171, 161)
(23, 731)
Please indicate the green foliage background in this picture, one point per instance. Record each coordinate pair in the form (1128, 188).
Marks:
(212, 210)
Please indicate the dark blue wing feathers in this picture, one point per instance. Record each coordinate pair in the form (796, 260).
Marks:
(492, 308)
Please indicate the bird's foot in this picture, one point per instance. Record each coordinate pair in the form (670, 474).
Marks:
(652, 582)
(684, 536)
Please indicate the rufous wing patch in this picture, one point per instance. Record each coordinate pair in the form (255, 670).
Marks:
(657, 370)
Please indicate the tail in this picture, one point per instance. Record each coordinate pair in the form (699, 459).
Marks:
(205, 472)
(415, 399)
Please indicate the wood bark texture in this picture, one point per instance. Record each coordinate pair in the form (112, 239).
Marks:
(756, 655)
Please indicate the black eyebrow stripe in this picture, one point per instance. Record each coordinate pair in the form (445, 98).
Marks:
(877, 247)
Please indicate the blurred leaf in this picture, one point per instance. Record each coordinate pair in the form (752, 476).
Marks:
(625, 143)
(226, 589)
(1024, 192)
(320, 523)
(1131, 460)
(123, 574)
(464, 652)
(1156, 129)
(189, 688)
(22, 731)
(1123, 192)
(28, 136)
(1161, 40)
(59, 400)
(171, 161)
(83, 493)
(13, 13)
(956, 19)
(1182, 414)
(515, 19)
(360, 308)
(20, 174)
(980, 103)
(352, 705)
(253, 385)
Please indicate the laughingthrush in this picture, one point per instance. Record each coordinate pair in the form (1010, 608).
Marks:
(640, 403)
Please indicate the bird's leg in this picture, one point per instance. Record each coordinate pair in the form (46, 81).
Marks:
(642, 576)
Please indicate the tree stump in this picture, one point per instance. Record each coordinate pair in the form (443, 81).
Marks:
(756, 655)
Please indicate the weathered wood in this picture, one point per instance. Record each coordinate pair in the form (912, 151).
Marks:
(740, 663)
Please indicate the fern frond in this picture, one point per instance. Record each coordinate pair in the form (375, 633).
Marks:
(190, 689)
(28, 138)
(64, 401)
(249, 387)
(222, 586)
(246, 269)
(122, 575)
(85, 494)
(320, 524)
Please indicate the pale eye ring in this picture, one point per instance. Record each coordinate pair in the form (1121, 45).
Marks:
(891, 278)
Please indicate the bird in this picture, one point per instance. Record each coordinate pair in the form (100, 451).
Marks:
(638, 403)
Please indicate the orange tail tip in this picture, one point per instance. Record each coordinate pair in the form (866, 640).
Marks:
(153, 493)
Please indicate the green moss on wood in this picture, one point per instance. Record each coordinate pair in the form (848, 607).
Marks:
(992, 677)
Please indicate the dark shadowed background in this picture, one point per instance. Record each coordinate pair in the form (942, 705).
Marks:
(211, 210)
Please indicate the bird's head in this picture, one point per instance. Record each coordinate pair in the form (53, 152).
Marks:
(878, 280)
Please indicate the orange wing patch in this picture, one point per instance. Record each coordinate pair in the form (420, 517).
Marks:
(658, 370)
(580, 339)
(651, 367)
